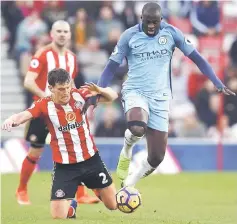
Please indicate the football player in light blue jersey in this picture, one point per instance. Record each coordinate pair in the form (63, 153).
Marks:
(149, 47)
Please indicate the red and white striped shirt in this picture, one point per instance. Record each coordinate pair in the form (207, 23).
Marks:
(47, 59)
(71, 141)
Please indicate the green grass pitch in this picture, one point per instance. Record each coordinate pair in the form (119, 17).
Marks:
(187, 198)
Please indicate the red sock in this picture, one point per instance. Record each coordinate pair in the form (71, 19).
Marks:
(27, 169)
(81, 191)
(71, 212)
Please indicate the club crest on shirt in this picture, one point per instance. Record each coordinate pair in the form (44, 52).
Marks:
(70, 116)
(162, 40)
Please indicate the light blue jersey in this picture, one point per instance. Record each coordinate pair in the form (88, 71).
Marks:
(149, 59)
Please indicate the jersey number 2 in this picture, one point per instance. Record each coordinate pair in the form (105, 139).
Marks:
(104, 178)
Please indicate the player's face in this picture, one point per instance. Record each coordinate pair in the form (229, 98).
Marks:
(151, 22)
(61, 34)
(61, 92)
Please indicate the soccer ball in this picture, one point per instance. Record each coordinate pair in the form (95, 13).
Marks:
(128, 199)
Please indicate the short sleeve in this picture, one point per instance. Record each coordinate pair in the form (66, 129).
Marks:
(181, 41)
(36, 108)
(81, 95)
(36, 64)
(122, 47)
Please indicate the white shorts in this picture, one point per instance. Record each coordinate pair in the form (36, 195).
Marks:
(158, 110)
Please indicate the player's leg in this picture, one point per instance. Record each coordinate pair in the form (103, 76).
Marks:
(156, 146)
(156, 136)
(136, 120)
(108, 196)
(98, 178)
(63, 209)
(136, 112)
(28, 166)
(35, 134)
(63, 191)
(59, 208)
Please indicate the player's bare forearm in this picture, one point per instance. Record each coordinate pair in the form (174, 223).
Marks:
(21, 117)
(104, 94)
(30, 84)
(16, 119)
(33, 89)
(107, 95)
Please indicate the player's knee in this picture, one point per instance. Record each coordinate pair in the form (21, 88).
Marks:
(137, 131)
(112, 205)
(58, 210)
(138, 128)
(156, 160)
(58, 214)
(108, 197)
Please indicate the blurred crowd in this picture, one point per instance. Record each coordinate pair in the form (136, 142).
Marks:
(196, 109)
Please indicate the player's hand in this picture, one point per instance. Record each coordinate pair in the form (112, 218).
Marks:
(92, 101)
(94, 94)
(8, 124)
(93, 88)
(226, 91)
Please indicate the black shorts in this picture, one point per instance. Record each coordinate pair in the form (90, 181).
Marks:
(36, 132)
(67, 177)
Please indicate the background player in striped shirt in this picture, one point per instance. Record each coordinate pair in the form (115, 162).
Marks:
(76, 158)
(54, 55)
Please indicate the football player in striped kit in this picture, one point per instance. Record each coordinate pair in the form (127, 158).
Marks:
(75, 155)
(54, 55)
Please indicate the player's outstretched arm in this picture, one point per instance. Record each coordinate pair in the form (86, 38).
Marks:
(207, 70)
(188, 49)
(16, 119)
(105, 94)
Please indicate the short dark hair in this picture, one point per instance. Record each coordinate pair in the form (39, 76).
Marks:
(151, 6)
(58, 76)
